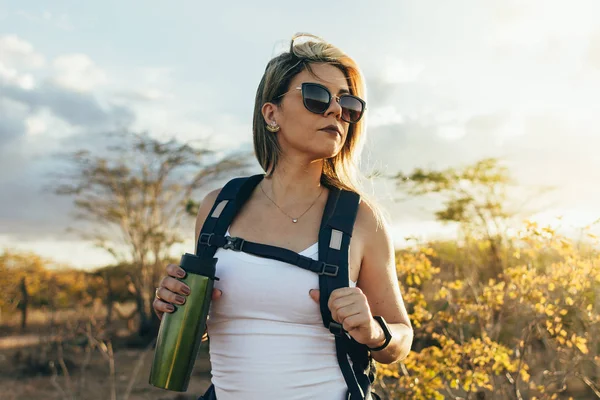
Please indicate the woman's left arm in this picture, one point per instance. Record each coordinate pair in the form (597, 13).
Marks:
(377, 293)
(378, 280)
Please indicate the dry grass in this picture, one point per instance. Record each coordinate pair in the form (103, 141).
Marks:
(53, 359)
(97, 382)
(44, 317)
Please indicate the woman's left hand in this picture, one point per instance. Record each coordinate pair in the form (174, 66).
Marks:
(350, 308)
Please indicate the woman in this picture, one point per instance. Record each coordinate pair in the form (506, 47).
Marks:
(267, 336)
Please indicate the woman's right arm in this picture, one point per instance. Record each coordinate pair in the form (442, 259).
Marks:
(171, 290)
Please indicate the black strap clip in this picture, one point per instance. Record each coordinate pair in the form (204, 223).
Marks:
(205, 238)
(233, 243)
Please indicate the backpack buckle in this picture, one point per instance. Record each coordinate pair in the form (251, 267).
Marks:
(205, 238)
(328, 269)
(233, 243)
(336, 329)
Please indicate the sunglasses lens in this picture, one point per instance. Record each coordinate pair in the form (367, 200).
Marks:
(316, 99)
(352, 108)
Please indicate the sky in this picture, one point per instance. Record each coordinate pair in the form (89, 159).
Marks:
(448, 83)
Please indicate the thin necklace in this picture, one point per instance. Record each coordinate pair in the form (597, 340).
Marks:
(294, 220)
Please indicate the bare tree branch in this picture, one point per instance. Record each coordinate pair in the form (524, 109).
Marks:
(135, 199)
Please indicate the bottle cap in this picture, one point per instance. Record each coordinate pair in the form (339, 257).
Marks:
(200, 266)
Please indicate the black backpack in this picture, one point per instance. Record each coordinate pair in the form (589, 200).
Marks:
(332, 267)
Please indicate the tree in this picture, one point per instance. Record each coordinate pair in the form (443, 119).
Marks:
(135, 198)
(23, 303)
(14, 266)
(475, 198)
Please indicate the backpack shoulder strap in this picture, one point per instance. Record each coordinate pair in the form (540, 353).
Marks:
(334, 243)
(229, 201)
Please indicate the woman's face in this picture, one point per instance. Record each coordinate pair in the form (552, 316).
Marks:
(303, 132)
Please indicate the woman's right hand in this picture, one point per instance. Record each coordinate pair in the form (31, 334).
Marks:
(172, 290)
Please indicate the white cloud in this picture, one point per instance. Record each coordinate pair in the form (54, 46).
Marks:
(152, 94)
(12, 107)
(146, 85)
(397, 70)
(11, 125)
(41, 103)
(452, 116)
(145, 95)
(531, 23)
(513, 127)
(156, 75)
(221, 132)
(44, 127)
(19, 53)
(593, 51)
(497, 126)
(78, 72)
(383, 116)
(451, 132)
(11, 77)
(35, 126)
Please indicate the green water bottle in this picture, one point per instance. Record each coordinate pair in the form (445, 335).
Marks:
(181, 331)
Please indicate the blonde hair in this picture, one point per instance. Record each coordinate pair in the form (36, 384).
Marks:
(340, 171)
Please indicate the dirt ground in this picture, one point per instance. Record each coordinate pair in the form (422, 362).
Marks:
(25, 371)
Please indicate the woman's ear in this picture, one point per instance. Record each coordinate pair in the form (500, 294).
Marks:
(269, 112)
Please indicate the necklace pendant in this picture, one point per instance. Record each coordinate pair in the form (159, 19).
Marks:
(295, 220)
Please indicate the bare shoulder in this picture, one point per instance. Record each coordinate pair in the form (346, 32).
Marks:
(204, 209)
(378, 277)
(370, 229)
(377, 257)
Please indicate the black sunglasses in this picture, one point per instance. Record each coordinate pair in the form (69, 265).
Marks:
(317, 99)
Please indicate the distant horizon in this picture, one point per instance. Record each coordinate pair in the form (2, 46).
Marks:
(435, 231)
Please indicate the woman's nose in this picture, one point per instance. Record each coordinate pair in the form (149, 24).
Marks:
(334, 107)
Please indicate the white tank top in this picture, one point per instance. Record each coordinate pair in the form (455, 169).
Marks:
(267, 339)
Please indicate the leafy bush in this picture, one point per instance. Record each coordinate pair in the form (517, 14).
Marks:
(531, 333)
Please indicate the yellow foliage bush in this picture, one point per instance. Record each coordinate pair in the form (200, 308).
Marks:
(524, 334)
